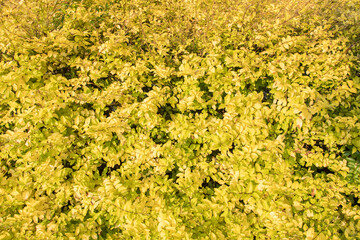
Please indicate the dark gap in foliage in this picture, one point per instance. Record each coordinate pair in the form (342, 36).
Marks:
(114, 168)
(68, 163)
(115, 139)
(172, 173)
(71, 225)
(318, 143)
(346, 151)
(171, 61)
(298, 31)
(204, 87)
(76, 108)
(355, 71)
(266, 95)
(138, 43)
(88, 106)
(213, 154)
(7, 127)
(3, 109)
(148, 171)
(140, 96)
(8, 165)
(6, 56)
(207, 187)
(114, 142)
(257, 48)
(276, 128)
(321, 170)
(354, 201)
(235, 69)
(210, 183)
(68, 175)
(134, 126)
(15, 111)
(105, 231)
(150, 74)
(66, 208)
(307, 147)
(167, 110)
(355, 155)
(175, 80)
(348, 106)
(50, 195)
(192, 113)
(239, 206)
(93, 85)
(67, 72)
(300, 166)
(197, 150)
(95, 23)
(232, 148)
(35, 83)
(218, 113)
(101, 168)
(104, 170)
(7, 174)
(136, 39)
(147, 89)
(174, 142)
(111, 108)
(341, 232)
(104, 82)
(180, 56)
(304, 72)
(147, 193)
(262, 86)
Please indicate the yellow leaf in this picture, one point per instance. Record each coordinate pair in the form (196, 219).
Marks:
(257, 105)
(354, 150)
(310, 234)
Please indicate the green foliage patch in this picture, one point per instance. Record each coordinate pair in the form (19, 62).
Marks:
(184, 119)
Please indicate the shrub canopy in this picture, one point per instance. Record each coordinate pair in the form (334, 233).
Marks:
(193, 119)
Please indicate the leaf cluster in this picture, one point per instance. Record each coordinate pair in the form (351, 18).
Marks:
(188, 119)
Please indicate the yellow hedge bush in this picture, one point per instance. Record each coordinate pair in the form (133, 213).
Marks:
(193, 119)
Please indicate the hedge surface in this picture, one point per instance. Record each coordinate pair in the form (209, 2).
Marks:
(193, 119)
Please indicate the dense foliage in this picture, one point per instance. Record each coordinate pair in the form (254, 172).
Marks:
(193, 119)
